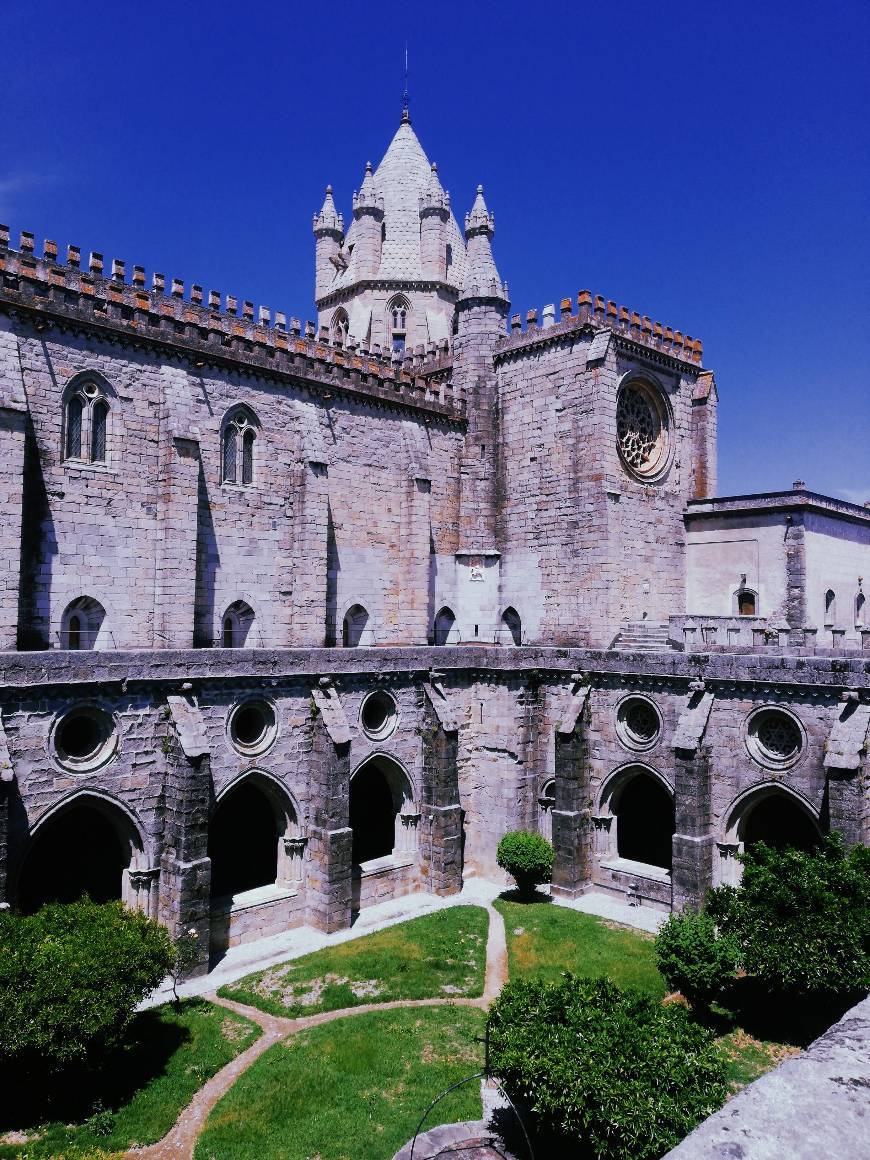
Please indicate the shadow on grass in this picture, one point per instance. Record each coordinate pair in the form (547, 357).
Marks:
(35, 1095)
(526, 898)
(748, 1005)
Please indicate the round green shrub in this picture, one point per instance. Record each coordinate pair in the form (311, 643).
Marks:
(694, 958)
(612, 1073)
(71, 977)
(527, 857)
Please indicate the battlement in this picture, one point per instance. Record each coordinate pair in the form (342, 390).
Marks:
(600, 313)
(212, 331)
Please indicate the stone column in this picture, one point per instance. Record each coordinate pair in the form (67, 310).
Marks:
(13, 422)
(572, 812)
(330, 839)
(845, 758)
(310, 513)
(693, 842)
(184, 900)
(176, 561)
(441, 838)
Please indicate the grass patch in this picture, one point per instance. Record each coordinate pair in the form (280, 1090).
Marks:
(354, 1089)
(545, 940)
(748, 1058)
(439, 955)
(134, 1097)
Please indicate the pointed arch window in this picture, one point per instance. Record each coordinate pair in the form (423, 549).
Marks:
(238, 447)
(74, 411)
(339, 327)
(398, 314)
(830, 606)
(86, 423)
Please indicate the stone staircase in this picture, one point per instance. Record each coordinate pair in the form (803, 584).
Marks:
(642, 636)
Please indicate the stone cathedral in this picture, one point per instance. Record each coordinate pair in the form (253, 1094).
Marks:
(298, 617)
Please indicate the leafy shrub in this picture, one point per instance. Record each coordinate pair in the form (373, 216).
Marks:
(695, 958)
(613, 1072)
(71, 977)
(527, 857)
(802, 920)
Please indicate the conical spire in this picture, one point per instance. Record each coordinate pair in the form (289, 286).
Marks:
(479, 220)
(434, 197)
(368, 196)
(481, 276)
(328, 218)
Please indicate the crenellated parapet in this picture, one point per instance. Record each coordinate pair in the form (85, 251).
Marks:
(211, 329)
(598, 313)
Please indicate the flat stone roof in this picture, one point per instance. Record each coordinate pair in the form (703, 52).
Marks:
(776, 501)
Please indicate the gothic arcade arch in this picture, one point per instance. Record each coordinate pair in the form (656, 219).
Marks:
(89, 843)
(769, 812)
(635, 819)
(254, 837)
(384, 816)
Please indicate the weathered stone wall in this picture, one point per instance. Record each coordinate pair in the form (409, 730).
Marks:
(585, 545)
(174, 759)
(350, 503)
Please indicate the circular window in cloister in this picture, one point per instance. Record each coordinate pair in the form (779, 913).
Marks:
(85, 739)
(642, 424)
(252, 727)
(638, 723)
(379, 715)
(774, 738)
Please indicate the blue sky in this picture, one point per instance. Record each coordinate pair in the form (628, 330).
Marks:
(704, 163)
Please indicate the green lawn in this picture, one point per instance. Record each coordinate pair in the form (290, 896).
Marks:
(138, 1093)
(353, 1089)
(748, 1058)
(441, 954)
(544, 940)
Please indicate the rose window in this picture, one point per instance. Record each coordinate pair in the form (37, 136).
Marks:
(774, 738)
(641, 434)
(638, 723)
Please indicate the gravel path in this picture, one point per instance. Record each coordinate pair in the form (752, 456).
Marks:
(180, 1141)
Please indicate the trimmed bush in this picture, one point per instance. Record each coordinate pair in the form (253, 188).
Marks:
(694, 958)
(802, 920)
(70, 979)
(613, 1074)
(527, 857)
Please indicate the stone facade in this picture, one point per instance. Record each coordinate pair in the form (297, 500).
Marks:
(296, 619)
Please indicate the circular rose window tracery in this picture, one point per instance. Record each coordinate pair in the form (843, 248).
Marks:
(774, 738)
(638, 724)
(641, 429)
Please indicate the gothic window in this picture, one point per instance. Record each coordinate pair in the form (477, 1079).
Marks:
(82, 624)
(747, 602)
(512, 627)
(830, 607)
(248, 456)
(398, 312)
(99, 417)
(74, 410)
(238, 626)
(642, 429)
(86, 422)
(238, 443)
(339, 327)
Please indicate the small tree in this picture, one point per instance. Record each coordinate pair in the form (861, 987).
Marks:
(612, 1073)
(695, 958)
(71, 977)
(185, 957)
(801, 919)
(527, 857)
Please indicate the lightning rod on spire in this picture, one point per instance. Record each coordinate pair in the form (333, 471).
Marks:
(405, 115)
